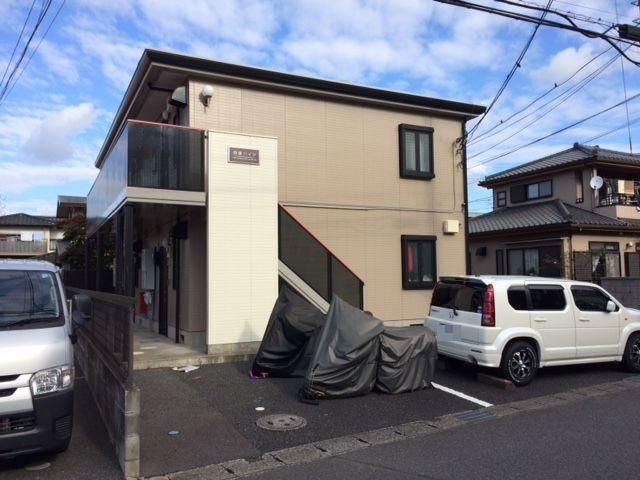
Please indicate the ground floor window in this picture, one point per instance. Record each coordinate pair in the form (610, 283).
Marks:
(418, 262)
(605, 259)
(538, 261)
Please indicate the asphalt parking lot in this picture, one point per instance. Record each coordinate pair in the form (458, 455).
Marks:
(225, 400)
(213, 409)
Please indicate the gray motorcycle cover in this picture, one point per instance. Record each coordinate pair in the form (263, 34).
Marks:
(345, 361)
(290, 338)
(408, 357)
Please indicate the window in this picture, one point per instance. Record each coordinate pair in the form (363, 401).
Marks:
(605, 259)
(29, 297)
(517, 297)
(579, 187)
(463, 296)
(418, 262)
(416, 152)
(547, 297)
(500, 262)
(501, 199)
(590, 299)
(539, 261)
(531, 191)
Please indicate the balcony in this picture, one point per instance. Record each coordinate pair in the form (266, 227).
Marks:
(149, 162)
(618, 199)
(19, 248)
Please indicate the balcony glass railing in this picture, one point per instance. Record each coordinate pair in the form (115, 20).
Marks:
(315, 264)
(148, 155)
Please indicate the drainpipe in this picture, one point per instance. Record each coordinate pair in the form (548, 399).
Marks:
(467, 254)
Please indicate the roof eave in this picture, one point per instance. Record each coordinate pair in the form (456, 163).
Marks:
(162, 58)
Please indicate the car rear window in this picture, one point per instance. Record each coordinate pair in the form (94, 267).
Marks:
(547, 297)
(463, 296)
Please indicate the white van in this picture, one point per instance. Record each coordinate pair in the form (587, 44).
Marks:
(520, 324)
(36, 358)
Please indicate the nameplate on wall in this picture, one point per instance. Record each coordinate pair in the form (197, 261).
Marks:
(244, 155)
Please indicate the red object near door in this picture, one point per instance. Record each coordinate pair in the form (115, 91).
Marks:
(143, 309)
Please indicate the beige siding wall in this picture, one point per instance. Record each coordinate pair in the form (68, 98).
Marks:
(343, 158)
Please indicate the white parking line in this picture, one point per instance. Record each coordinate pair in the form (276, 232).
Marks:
(469, 398)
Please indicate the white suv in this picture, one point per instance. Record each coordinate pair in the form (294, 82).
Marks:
(520, 324)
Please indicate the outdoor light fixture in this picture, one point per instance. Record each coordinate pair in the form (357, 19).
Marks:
(206, 94)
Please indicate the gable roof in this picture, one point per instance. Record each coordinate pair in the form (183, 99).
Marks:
(573, 156)
(26, 220)
(262, 76)
(543, 214)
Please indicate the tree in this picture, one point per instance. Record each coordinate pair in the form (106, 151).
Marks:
(75, 234)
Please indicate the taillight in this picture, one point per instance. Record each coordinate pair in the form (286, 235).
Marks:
(489, 308)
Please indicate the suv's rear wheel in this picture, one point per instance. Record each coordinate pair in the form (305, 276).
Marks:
(631, 357)
(519, 363)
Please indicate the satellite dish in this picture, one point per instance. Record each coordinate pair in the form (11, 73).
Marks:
(596, 182)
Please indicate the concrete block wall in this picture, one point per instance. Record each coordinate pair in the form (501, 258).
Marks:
(118, 405)
(625, 289)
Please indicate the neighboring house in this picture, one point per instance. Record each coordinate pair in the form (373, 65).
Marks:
(219, 181)
(551, 218)
(24, 236)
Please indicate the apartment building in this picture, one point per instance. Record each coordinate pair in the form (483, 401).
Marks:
(573, 214)
(218, 182)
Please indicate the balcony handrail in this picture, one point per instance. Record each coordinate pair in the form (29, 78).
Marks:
(320, 242)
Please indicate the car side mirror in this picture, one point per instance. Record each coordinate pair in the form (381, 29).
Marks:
(611, 307)
(81, 309)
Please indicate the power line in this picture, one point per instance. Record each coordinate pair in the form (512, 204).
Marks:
(34, 51)
(510, 75)
(482, 136)
(624, 85)
(613, 130)
(571, 25)
(496, 157)
(43, 12)
(15, 47)
(567, 95)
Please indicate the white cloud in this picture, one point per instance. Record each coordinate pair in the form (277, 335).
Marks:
(20, 177)
(59, 61)
(50, 139)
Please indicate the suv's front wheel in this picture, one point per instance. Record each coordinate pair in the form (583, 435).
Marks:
(519, 363)
(631, 357)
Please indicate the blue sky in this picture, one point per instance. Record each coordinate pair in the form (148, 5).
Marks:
(53, 122)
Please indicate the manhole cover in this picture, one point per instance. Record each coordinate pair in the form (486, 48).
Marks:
(281, 422)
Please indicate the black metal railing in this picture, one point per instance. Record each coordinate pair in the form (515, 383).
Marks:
(110, 330)
(617, 199)
(314, 263)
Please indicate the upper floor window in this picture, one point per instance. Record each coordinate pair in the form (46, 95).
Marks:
(579, 187)
(416, 152)
(531, 191)
(501, 198)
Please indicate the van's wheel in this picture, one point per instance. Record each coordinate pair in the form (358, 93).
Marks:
(631, 357)
(519, 363)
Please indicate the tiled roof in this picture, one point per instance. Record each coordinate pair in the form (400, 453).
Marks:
(578, 153)
(544, 214)
(25, 220)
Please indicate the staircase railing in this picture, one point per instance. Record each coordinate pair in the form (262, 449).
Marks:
(314, 263)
